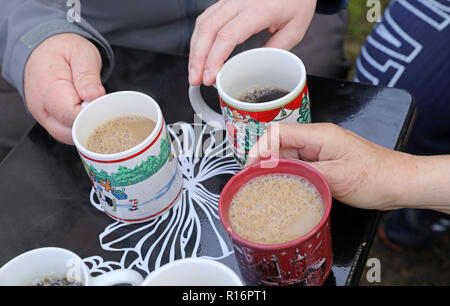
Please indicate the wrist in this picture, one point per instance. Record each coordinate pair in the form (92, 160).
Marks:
(396, 188)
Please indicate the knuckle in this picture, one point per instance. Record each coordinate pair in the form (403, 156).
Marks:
(203, 24)
(226, 36)
(331, 128)
(66, 118)
(197, 58)
(85, 77)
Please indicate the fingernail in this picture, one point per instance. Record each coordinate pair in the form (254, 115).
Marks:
(193, 75)
(206, 77)
(92, 91)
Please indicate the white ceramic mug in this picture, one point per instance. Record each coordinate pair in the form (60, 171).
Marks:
(246, 122)
(193, 272)
(141, 183)
(34, 266)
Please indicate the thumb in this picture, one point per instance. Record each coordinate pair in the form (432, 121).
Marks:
(323, 167)
(86, 65)
(331, 171)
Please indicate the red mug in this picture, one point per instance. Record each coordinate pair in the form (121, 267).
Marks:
(303, 261)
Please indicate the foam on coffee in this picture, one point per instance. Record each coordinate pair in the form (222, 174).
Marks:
(275, 208)
(120, 134)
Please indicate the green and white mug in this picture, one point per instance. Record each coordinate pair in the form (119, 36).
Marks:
(141, 183)
(246, 122)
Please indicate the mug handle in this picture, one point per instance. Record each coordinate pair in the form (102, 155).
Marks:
(203, 110)
(120, 276)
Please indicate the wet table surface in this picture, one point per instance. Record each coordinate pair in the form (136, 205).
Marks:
(46, 195)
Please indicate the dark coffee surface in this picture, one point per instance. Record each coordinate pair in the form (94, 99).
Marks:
(57, 281)
(262, 94)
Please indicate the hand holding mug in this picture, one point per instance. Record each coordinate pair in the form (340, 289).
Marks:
(359, 172)
(62, 71)
(228, 23)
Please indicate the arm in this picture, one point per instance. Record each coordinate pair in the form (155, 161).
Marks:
(426, 184)
(361, 173)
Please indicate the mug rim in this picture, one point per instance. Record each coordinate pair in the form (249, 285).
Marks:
(257, 107)
(328, 201)
(179, 262)
(34, 252)
(119, 156)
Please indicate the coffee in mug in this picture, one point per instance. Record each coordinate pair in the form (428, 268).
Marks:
(275, 208)
(55, 281)
(120, 134)
(261, 94)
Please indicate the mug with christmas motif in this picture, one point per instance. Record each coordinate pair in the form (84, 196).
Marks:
(137, 184)
(248, 76)
(280, 230)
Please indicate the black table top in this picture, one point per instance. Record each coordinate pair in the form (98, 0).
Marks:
(45, 193)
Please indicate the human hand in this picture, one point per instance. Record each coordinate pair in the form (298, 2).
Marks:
(62, 72)
(228, 23)
(359, 172)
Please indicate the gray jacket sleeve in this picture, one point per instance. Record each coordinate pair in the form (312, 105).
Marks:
(24, 24)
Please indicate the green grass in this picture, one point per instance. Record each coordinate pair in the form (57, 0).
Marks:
(358, 29)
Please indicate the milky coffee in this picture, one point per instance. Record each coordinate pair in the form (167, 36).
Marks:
(120, 134)
(275, 208)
